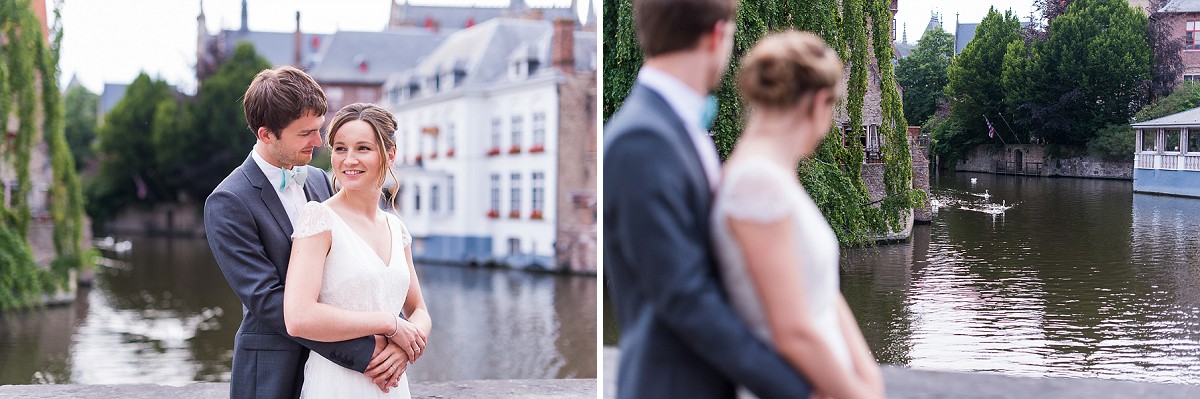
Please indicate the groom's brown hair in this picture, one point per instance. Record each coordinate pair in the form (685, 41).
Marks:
(664, 26)
(277, 97)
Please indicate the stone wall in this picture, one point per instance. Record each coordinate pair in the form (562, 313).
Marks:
(917, 146)
(984, 159)
(180, 220)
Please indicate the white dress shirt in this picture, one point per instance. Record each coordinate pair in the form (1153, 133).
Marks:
(689, 105)
(292, 196)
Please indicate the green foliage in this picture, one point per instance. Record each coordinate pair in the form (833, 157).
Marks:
(923, 74)
(27, 63)
(1182, 99)
(975, 84)
(832, 175)
(1093, 71)
(212, 138)
(1114, 142)
(126, 150)
(80, 130)
(66, 197)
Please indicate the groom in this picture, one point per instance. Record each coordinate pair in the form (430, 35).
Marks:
(679, 335)
(249, 219)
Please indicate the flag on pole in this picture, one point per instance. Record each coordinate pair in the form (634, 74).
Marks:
(991, 130)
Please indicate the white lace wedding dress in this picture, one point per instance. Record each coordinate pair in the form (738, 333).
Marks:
(760, 191)
(355, 278)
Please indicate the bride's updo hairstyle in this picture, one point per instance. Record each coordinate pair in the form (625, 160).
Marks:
(785, 66)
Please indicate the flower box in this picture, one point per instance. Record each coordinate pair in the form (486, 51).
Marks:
(516, 149)
(535, 214)
(514, 214)
(493, 214)
(433, 156)
(450, 153)
(537, 148)
(493, 152)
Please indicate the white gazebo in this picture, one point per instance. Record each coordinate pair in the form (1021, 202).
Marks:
(1167, 155)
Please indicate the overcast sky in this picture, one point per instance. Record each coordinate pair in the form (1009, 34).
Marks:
(916, 13)
(112, 40)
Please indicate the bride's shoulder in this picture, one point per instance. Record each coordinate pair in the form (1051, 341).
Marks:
(313, 219)
(405, 236)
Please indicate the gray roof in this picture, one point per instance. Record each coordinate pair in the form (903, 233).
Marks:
(457, 17)
(113, 93)
(278, 47)
(963, 33)
(488, 47)
(385, 53)
(1181, 6)
(1189, 118)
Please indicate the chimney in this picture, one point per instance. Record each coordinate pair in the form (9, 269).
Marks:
(562, 45)
(296, 58)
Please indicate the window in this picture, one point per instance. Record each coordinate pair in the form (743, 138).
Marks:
(516, 134)
(433, 199)
(495, 197)
(1149, 137)
(495, 137)
(335, 94)
(450, 139)
(515, 196)
(514, 246)
(1193, 140)
(1191, 79)
(538, 181)
(539, 133)
(450, 194)
(416, 199)
(400, 199)
(1171, 140)
(1192, 32)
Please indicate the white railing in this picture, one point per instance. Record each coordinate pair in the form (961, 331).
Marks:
(1150, 160)
(1144, 161)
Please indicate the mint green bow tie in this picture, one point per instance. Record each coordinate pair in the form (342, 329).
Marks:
(295, 176)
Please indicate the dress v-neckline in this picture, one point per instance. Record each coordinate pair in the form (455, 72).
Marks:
(391, 238)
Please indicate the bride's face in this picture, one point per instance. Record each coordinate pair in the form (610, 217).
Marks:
(358, 157)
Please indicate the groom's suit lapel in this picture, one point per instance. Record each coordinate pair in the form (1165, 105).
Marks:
(679, 135)
(267, 193)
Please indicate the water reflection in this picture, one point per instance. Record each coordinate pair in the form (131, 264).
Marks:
(1081, 279)
(166, 316)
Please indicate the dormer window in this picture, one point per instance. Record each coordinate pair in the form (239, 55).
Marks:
(517, 69)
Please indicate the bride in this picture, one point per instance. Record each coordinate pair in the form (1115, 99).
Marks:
(778, 255)
(351, 273)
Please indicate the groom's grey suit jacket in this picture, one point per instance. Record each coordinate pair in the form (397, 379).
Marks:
(249, 234)
(680, 337)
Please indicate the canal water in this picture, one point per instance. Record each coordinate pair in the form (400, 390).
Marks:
(1049, 277)
(162, 313)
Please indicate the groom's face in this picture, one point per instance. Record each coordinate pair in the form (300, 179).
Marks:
(296, 142)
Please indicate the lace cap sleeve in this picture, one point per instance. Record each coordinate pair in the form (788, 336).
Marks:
(756, 191)
(314, 219)
(405, 237)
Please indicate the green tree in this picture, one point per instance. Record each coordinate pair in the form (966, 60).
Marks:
(975, 88)
(129, 170)
(1182, 99)
(1099, 50)
(81, 123)
(211, 137)
(923, 74)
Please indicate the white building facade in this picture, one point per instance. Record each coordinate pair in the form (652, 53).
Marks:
(477, 148)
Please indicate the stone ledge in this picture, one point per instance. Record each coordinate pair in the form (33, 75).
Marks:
(906, 383)
(477, 389)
